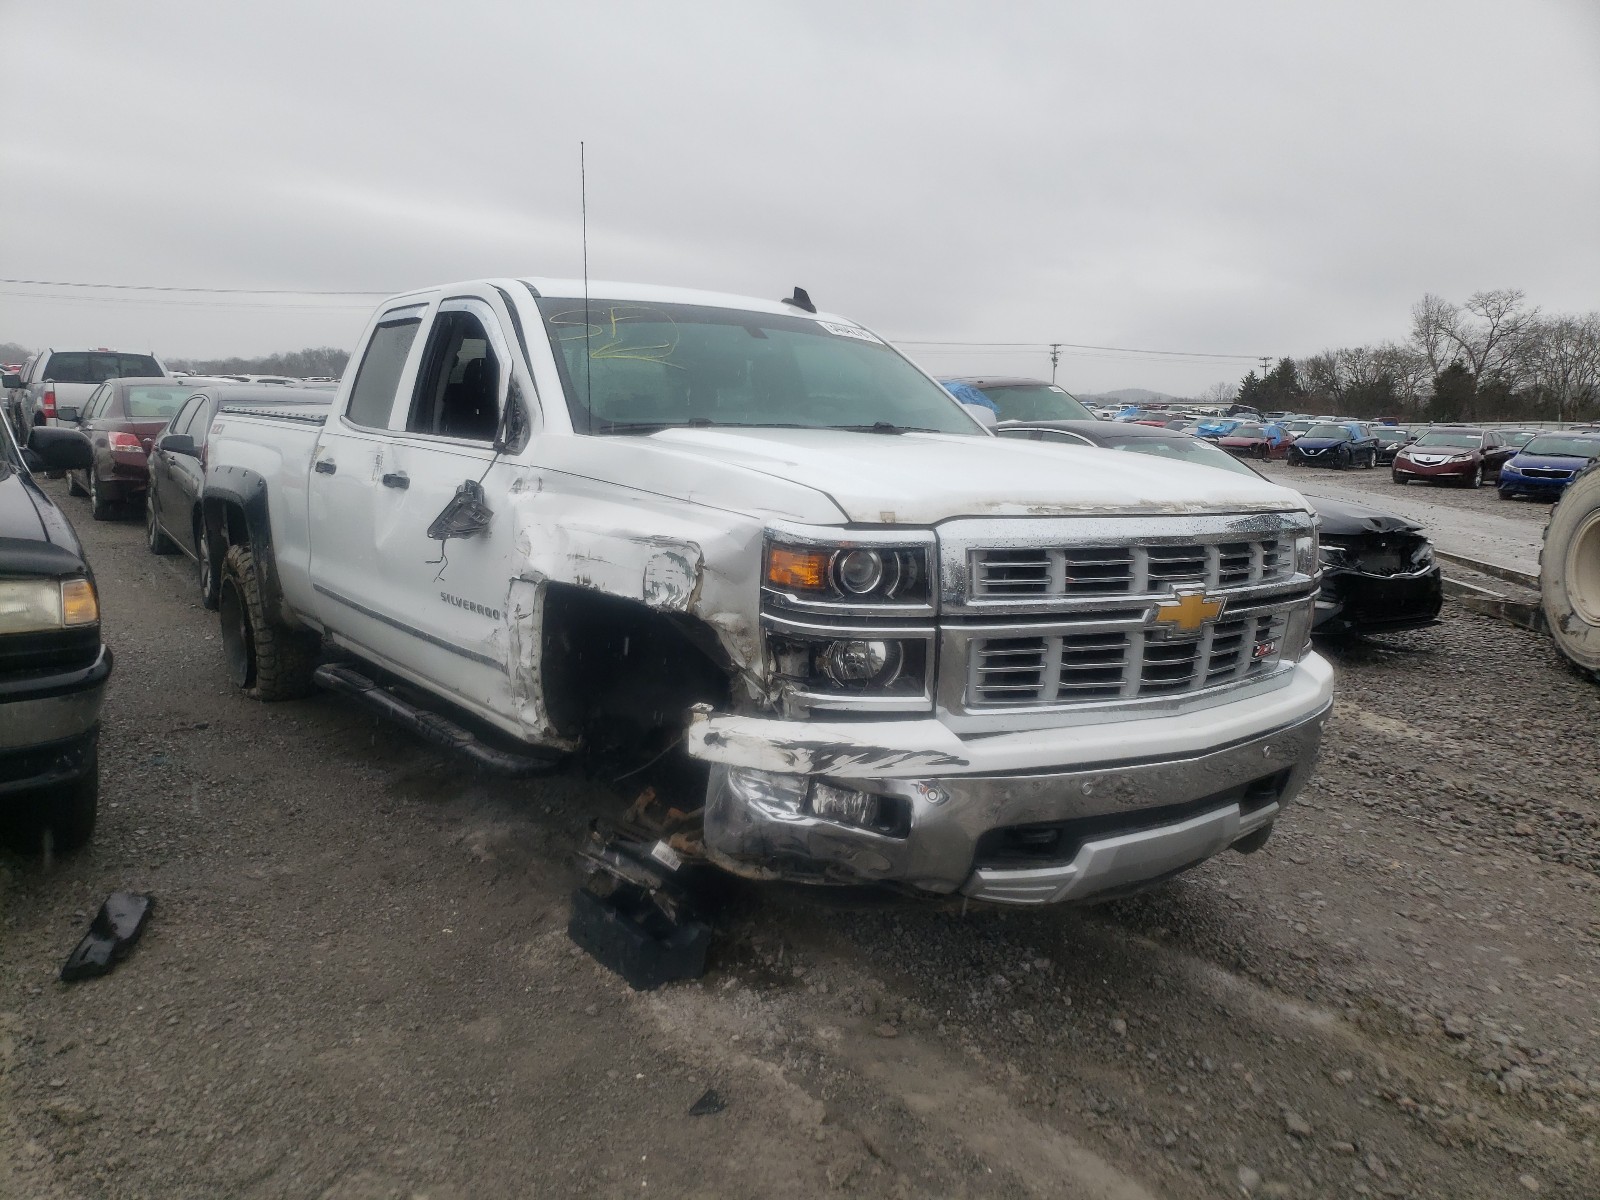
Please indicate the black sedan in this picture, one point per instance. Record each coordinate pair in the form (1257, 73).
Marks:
(178, 467)
(1378, 571)
(53, 665)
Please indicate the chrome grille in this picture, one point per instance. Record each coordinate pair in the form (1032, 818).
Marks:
(1042, 573)
(1120, 664)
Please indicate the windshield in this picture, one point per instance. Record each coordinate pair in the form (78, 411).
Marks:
(1298, 426)
(1518, 437)
(1036, 402)
(1566, 447)
(1191, 450)
(93, 366)
(1337, 432)
(1458, 441)
(149, 403)
(644, 367)
(1388, 433)
(1248, 431)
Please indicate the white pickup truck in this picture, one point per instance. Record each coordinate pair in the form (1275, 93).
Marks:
(896, 648)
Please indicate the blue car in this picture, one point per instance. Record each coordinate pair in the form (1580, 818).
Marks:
(1547, 464)
(1343, 444)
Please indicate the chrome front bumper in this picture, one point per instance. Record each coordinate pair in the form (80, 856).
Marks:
(1073, 833)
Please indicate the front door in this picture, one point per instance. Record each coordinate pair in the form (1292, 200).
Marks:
(452, 593)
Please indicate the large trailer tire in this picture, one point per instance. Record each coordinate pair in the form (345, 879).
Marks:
(268, 661)
(1569, 573)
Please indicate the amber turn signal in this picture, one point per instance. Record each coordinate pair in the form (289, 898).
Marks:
(804, 570)
(78, 603)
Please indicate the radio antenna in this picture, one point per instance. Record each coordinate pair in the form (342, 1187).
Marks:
(588, 360)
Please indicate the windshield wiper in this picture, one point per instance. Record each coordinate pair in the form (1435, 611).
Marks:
(883, 427)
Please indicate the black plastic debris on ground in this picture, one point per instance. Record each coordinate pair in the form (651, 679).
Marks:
(112, 933)
(711, 1102)
(635, 920)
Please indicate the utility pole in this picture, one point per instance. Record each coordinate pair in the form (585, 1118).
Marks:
(1055, 357)
(1264, 360)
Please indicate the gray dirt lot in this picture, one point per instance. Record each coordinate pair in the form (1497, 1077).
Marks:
(1475, 523)
(357, 983)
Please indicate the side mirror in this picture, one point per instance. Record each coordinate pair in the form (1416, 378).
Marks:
(178, 443)
(61, 449)
(983, 414)
(11, 379)
(67, 414)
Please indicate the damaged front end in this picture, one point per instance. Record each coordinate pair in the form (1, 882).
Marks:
(1378, 572)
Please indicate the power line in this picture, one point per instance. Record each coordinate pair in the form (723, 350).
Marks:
(213, 291)
(213, 306)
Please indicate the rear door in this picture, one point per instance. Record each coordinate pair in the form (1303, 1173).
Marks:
(350, 459)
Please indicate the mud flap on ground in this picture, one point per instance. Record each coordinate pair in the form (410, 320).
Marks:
(634, 918)
(112, 933)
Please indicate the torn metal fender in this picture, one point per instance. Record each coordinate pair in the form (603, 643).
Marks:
(668, 555)
(849, 749)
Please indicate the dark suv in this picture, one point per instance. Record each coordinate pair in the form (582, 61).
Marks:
(53, 665)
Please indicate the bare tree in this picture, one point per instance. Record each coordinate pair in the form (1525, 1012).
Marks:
(1565, 360)
(1435, 331)
(1219, 394)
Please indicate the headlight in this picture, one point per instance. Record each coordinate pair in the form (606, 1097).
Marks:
(852, 665)
(1423, 556)
(1333, 556)
(1460, 457)
(1305, 554)
(850, 574)
(39, 605)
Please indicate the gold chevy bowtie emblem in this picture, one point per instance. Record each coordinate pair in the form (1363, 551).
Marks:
(1188, 612)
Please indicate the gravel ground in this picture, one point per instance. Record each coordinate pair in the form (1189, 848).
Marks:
(356, 982)
(1474, 523)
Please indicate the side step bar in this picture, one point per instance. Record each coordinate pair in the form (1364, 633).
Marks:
(441, 731)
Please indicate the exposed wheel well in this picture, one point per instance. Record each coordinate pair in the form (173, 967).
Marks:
(622, 675)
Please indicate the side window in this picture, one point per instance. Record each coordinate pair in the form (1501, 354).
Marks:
(200, 423)
(458, 386)
(372, 395)
(1058, 435)
(96, 404)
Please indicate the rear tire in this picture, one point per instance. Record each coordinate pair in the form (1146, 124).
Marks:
(1569, 573)
(204, 566)
(1477, 478)
(74, 488)
(100, 507)
(158, 542)
(266, 660)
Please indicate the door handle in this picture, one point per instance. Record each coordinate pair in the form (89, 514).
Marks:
(396, 479)
(326, 466)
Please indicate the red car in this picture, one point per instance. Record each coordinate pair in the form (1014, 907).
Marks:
(1249, 440)
(1460, 456)
(119, 420)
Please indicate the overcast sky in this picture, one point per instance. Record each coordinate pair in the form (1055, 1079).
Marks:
(1224, 177)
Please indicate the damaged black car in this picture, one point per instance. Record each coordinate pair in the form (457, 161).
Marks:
(1378, 571)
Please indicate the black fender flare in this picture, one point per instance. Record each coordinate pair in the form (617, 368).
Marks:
(233, 504)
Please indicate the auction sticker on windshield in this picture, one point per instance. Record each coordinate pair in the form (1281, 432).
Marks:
(850, 331)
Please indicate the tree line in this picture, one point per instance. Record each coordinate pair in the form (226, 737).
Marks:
(312, 361)
(1493, 358)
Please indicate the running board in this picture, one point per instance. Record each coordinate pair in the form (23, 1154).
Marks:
(441, 731)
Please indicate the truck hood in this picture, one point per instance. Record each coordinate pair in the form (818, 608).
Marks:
(922, 479)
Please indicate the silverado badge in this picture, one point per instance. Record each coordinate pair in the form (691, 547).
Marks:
(1186, 613)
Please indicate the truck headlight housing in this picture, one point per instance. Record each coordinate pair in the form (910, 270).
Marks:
(849, 574)
(854, 668)
(41, 605)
